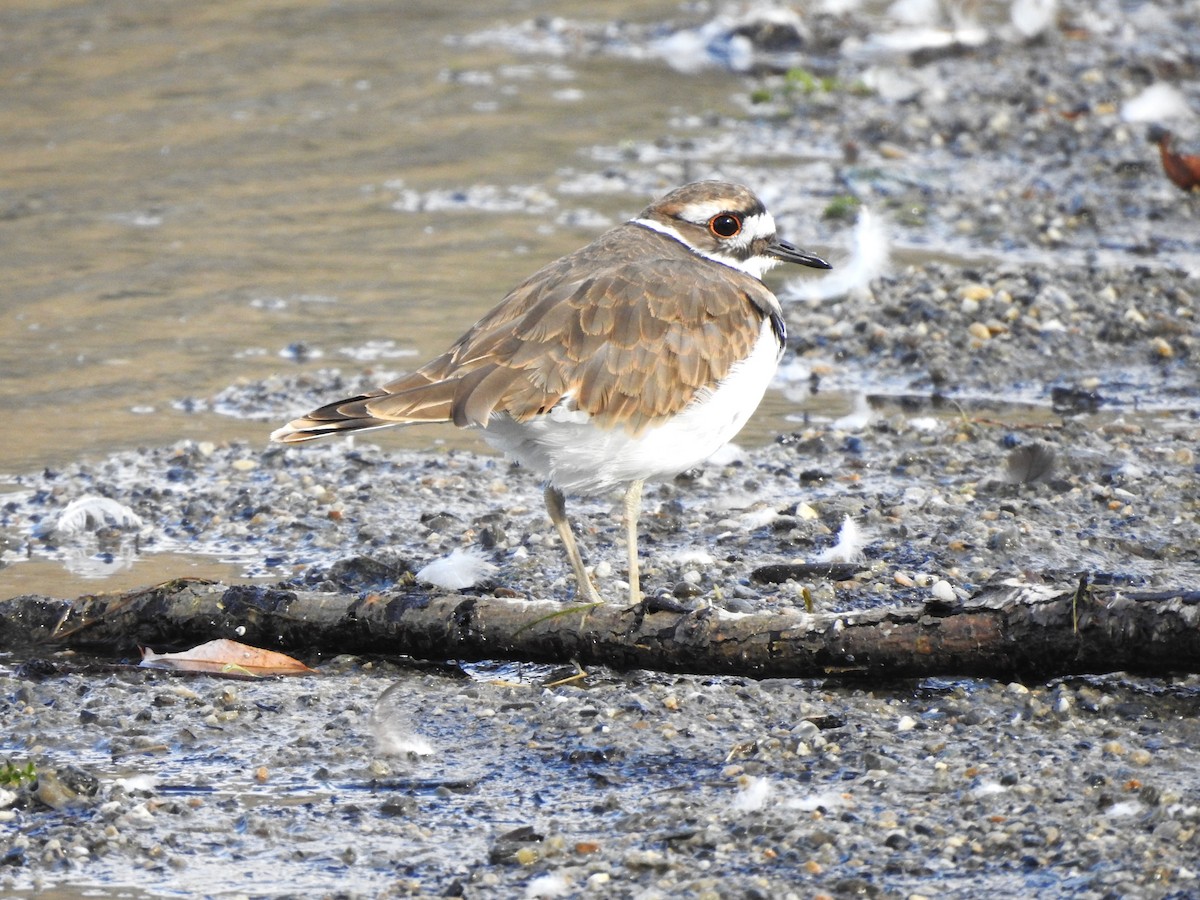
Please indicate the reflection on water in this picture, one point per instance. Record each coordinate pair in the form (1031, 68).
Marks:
(79, 575)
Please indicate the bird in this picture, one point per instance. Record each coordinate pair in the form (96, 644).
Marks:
(1182, 168)
(632, 359)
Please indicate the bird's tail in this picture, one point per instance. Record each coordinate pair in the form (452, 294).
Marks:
(412, 400)
(340, 417)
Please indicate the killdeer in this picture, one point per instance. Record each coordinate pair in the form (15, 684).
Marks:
(634, 358)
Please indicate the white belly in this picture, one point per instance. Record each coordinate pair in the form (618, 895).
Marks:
(576, 457)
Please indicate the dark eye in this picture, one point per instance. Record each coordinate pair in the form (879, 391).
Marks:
(725, 225)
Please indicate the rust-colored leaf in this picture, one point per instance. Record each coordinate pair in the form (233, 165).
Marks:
(226, 657)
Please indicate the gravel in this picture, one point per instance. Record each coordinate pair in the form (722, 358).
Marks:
(622, 785)
(1029, 408)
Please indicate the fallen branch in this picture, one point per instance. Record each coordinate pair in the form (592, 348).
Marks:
(1007, 631)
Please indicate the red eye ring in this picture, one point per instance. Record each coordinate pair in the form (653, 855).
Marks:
(725, 225)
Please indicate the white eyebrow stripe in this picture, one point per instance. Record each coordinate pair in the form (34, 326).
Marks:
(705, 211)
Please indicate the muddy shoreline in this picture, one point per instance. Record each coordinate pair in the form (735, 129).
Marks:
(1033, 414)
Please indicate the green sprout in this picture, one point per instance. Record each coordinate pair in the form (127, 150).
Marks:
(13, 775)
(801, 82)
(841, 208)
(807, 83)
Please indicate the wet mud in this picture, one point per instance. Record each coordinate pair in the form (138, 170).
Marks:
(1015, 396)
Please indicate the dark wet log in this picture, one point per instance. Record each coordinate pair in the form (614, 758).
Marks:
(1007, 631)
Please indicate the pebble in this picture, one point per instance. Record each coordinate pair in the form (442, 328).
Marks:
(942, 590)
(976, 293)
(979, 331)
(1162, 348)
(53, 792)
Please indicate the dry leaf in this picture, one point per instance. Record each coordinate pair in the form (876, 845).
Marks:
(225, 657)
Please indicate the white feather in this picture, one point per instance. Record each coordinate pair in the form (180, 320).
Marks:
(1032, 17)
(1157, 103)
(849, 546)
(545, 886)
(754, 795)
(461, 569)
(91, 513)
(690, 556)
(869, 256)
(394, 733)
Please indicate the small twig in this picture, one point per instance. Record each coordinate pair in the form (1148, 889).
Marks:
(578, 676)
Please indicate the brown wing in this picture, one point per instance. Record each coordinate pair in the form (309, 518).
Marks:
(626, 342)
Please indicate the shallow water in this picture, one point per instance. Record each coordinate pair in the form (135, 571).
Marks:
(194, 197)
(188, 190)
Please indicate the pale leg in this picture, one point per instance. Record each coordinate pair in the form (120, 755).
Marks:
(557, 508)
(633, 508)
